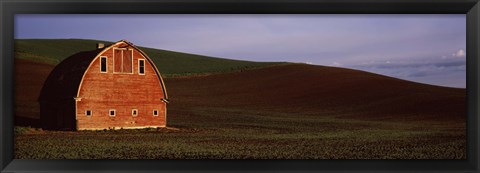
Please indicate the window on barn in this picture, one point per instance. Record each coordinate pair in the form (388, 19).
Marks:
(123, 60)
(134, 112)
(155, 112)
(111, 112)
(141, 66)
(88, 113)
(103, 64)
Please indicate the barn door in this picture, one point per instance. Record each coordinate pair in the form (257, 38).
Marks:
(127, 61)
(117, 60)
(122, 60)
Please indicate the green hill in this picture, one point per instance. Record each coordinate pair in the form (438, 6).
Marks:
(170, 63)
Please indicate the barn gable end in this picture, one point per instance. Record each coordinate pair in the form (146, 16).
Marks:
(107, 91)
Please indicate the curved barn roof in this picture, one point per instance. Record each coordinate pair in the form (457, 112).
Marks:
(65, 79)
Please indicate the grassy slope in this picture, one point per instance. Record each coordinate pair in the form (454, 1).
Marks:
(53, 51)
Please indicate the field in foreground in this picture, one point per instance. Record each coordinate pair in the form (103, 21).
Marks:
(292, 111)
(258, 137)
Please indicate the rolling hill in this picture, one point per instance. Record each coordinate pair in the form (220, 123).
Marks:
(317, 90)
(53, 51)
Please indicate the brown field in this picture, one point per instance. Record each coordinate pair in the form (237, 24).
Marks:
(293, 111)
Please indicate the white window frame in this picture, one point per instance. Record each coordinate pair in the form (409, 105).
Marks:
(134, 110)
(91, 113)
(154, 112)
(114, 112)
(131, 50)
(106, 65)
(143, 66)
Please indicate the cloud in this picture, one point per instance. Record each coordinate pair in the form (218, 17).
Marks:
(459, 54)
(336, 64)
(453, 70)
(445, 63)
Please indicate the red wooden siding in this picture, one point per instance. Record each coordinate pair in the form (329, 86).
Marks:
(122, 88)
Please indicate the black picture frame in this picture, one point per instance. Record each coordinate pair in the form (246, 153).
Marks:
(9, 8)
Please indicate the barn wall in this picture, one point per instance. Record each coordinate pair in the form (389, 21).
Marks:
(100, 92)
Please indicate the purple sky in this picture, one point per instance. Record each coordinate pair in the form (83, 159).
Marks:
(422, 48)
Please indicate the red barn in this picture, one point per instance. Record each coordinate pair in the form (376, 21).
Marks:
(112, 87)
